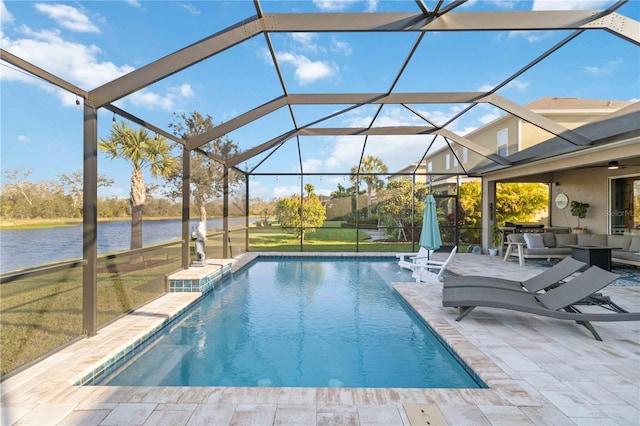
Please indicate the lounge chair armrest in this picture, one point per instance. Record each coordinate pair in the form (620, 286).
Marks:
(408, 254)
(427, 261)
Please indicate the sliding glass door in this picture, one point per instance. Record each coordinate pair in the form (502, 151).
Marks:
(624, 212)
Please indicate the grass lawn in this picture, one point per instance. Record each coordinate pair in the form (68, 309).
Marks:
(39, 314)
(331, 237)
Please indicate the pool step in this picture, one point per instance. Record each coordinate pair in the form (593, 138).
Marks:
(200, 279)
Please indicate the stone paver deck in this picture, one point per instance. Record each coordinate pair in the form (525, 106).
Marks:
(540, 371)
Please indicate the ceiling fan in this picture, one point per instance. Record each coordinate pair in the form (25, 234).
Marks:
(613, 165)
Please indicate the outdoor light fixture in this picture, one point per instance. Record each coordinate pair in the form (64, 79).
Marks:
(77, 102)
(613, 165)
(113, 120)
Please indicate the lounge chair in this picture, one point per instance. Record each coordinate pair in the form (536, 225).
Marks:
(548, 278)
(408, 260)
(423, 270)
(560, 302)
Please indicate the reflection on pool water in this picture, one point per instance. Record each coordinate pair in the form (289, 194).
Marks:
(299, 323)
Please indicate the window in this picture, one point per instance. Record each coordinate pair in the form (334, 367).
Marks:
(447, 162)
(455, 159)
(503, 142)
(624, 211)
(430, 167)
(465, 155)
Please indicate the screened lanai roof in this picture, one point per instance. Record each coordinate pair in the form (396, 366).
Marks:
(314, 87)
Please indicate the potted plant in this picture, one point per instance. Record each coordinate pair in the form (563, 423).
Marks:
(496, 240)
(579, 210)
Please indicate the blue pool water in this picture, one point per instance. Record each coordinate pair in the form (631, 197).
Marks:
(298, 323)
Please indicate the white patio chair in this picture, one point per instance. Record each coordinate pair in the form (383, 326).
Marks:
(424, 271)
(408, 260)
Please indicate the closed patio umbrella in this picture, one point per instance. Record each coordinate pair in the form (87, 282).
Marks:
(430, 237)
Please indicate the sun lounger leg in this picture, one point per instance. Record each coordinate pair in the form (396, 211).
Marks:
(464, 311)
(589, 327)
(586, 324)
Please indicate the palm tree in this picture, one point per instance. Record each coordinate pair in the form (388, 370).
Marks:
(369, 166)
(142, 151)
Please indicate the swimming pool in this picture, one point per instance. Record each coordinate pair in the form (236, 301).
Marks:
(299, 322)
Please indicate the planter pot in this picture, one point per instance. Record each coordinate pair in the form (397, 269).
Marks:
(493, 251)
(579, 230)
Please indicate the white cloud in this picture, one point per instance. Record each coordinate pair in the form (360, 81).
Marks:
(5, 16)
(503, 4)
(311, 165)
(186, 91)
(489, 117)
(341, 46)
(332, 163)
(167, 101)
(346, 150)
(333, 5)
(339, 5)
(286, 191)
(78, 64)
(23, 138)
(305, 41)
(68, 17)
(372, 5)
(134, 3)
(532, 36)
(306, 70)
(192, 9)
(517, 85)
(324, 192)
(570, 4)
(606, 69)
(71, 61)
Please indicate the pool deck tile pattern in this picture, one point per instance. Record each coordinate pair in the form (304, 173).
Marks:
(540, 371)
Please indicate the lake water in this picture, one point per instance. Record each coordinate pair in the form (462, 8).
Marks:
(24, 248)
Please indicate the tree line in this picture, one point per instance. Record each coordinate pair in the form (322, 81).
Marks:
(61, 198)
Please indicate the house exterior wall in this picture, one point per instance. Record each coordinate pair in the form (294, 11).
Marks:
(588, 186)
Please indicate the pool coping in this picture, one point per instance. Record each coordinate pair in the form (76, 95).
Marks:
(214, 278)
(496, 380)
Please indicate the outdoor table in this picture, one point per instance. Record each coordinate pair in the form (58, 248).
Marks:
(593, 255)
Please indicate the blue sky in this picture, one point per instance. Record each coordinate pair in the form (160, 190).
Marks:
(92, 42)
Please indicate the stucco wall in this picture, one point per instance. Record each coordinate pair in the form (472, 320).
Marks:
(588, 186)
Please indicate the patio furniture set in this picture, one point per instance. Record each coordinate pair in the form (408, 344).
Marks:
(595, 249)
(559, 292)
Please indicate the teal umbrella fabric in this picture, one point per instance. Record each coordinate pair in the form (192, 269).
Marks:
(430, 237)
